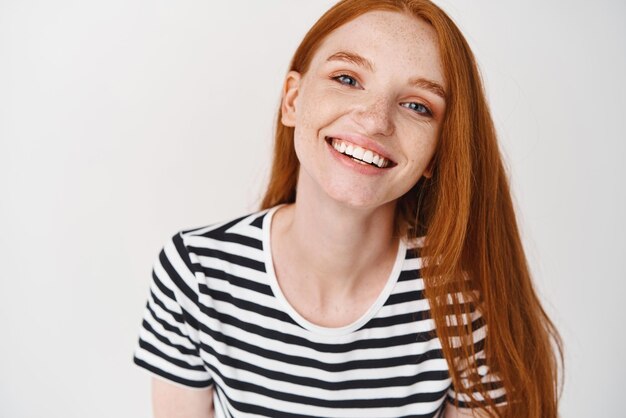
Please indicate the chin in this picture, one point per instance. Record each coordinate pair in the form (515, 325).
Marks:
(342, 191)
(358, 200)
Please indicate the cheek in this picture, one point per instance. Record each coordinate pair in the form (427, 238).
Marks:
(300, 145)
(318, 109)
(420, 152)
(305, 114)
(306, 145)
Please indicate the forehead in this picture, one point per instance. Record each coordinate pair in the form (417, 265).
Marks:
(385, 38)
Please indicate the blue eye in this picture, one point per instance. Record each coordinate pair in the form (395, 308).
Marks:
(419, 108)
(341, 77)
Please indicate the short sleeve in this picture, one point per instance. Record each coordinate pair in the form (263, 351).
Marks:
(487, 378)
(169, 343)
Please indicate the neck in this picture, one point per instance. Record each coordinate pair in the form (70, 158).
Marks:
(337, 247)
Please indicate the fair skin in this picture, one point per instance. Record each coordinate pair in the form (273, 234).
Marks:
(333, 248)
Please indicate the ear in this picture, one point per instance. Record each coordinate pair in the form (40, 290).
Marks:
(290, 94)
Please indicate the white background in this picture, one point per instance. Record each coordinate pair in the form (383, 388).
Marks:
(122, 122)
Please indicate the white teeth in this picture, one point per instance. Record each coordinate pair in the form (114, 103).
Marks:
(366, 156)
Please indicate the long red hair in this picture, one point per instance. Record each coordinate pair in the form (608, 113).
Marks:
(473, 255)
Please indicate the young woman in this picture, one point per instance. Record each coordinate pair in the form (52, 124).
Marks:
(384, 274)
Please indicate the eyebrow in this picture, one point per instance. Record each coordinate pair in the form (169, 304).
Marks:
(357, 59)
(429, 85)
(352, 58)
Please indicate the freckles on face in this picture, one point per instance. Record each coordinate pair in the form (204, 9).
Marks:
(377, 78)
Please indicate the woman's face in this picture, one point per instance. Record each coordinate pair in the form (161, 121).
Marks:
(373, 90)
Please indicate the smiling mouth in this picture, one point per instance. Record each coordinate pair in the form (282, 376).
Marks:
(359, 154)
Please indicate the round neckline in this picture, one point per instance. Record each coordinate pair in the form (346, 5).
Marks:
(303, 322)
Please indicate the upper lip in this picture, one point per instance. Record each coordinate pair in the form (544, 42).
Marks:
(363, 142)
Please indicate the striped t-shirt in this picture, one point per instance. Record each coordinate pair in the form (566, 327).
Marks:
(216, 317)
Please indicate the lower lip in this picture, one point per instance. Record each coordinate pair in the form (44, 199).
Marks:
(349, 162)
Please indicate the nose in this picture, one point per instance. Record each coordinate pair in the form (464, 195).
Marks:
(375, 115)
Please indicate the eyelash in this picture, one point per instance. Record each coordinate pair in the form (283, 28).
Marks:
(427, 112)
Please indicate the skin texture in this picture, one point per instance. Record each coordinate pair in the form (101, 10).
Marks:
(333, 249)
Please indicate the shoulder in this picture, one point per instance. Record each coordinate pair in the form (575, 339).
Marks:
(249, 225)
(190, 256)
(228, 240)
